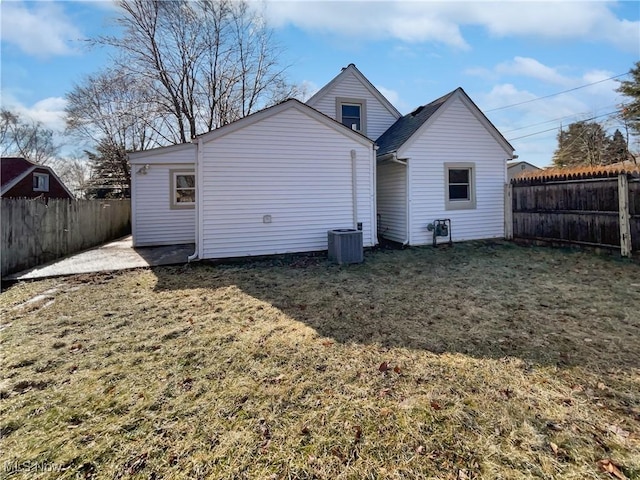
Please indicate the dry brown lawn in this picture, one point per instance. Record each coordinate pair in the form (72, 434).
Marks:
(484, 360)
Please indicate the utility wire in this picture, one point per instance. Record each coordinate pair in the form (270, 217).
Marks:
(559, 93)
(558, 119)
(555, 128)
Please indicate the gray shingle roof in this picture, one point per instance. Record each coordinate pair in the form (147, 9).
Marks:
(399, 132)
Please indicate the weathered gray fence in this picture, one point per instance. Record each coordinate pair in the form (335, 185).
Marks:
(37, 231)
(603, 211)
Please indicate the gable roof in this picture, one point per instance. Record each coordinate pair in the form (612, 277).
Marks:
(352, 70)
(15, 169)
(520, 162)
(401, 131)
(12, 167)
(146, 156)
(398, 134)
(280, 107)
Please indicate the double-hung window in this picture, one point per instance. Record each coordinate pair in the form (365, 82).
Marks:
(352, 113)
(183, 189)
(40, 182)
(460, 186)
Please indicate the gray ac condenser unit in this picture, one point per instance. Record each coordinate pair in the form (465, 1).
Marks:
(345, 246)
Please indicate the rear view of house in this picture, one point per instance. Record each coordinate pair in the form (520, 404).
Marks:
(276, 181)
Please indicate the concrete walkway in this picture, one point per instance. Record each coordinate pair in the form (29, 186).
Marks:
(118, 255)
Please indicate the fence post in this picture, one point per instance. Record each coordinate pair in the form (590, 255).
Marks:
(623, 210)
(508, 211)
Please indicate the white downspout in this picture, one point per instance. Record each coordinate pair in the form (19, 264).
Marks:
(374, 189)
(409, 202)
(354, 188)
(196, 253)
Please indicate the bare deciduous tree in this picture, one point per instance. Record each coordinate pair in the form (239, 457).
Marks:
(117, 106)
(26, 138)
(203, 63)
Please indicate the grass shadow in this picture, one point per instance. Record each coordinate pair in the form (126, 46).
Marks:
(484, 299)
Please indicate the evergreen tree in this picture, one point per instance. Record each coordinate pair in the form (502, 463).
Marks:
(110, 172)
(631, 88)
(583, 143)
(616, 150)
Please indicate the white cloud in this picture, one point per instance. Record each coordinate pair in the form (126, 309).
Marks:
(441, 22)
(394, 98)
(530, 67)
(49, 111)
(309, 89)
(532, 126)
(400, 20)
(40, 28)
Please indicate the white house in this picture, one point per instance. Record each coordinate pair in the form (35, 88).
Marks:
(444, 160)
(275, 181)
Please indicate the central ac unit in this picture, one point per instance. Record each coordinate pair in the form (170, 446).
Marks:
(345, 246)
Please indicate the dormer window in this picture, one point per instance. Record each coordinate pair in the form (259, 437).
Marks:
(352, 113)
(40, 182)
(351, 116)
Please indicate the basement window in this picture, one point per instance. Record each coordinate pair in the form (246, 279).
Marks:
(183, 189)
(40, 182)
(460, 186)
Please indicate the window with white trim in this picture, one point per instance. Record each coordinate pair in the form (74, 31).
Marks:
(183, 189)
(40, 182)
(352, 113)
(460, 186)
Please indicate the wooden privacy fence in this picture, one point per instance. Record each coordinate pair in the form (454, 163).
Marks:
(598, 211)
(37, 231)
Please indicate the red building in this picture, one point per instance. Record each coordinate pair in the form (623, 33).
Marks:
(24, 179)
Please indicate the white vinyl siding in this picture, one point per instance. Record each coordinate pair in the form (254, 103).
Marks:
(154, 222)
(456, 136)
(378, 120)
(392, 201)
(278, 184)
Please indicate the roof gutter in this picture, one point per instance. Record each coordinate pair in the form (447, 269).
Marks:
(392, 157)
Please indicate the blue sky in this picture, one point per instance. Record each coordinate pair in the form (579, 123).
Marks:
(501, 53)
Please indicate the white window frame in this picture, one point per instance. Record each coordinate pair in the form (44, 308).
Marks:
(40, 182)
(174, 204)
(340, 101)
(456, 203)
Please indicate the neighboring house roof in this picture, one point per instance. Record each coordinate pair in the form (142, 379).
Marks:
(275, 109)
(352, 70)
(15, 169)
(406, 127)
(12, 167)
(511, 165)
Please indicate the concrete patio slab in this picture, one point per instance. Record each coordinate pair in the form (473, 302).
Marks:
(117, 255)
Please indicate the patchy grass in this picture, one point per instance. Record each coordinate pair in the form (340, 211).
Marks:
(477, 361)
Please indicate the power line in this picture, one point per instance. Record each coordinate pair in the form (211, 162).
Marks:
(558, 119)
(555, 128)
(559, 93)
